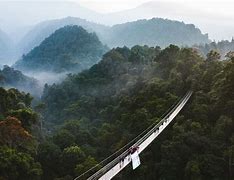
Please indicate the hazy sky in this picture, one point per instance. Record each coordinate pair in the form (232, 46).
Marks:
(110, 5)
(215, 17)
(223, 6)
(105, 6)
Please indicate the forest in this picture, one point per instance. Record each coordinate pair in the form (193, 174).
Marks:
(91, 114)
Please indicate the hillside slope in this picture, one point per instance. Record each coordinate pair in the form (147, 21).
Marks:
(70, 48)
(44, 29)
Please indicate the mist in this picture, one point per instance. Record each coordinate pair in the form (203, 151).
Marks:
(47, 77)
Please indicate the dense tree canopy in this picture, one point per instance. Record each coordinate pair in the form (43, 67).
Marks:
(18, 165)
(18, 129)
(115, 100)
(92, 114)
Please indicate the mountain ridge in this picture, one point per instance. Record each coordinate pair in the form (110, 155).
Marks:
(109, 34)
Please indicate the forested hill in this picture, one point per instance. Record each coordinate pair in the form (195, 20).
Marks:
(103, 108)
(44, 29)
(155, 32)
(70, 48)
(11, 78)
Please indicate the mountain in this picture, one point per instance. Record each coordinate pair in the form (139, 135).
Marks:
(44, 29)
(148, 10)
(70, 48)
(11, 78)
(17, 17)
(155, 32)
(204, 15)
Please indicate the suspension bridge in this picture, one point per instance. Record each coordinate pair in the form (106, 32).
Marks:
(122, 157)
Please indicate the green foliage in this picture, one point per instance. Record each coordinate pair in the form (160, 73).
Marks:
(98, 111)
(17, 144)
(224, 85)
(27, 116)
(167, 59)
(18, 165)
(130, 89)
(213, 56)
(49, 158)
(11, 99)
(64, 139)
(70, 158)
(88, 163)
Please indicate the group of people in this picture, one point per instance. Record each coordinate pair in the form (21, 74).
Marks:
(131, 150)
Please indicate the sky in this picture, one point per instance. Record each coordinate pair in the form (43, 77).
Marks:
(107, 6)
(223, 6)
(214, 17)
